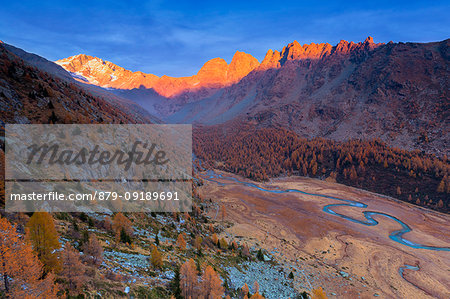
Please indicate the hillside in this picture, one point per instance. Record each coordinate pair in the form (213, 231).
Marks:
(105, 254)
(32, 95)
(397, 92)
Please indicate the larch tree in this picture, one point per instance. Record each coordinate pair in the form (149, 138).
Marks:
(211, 284)
(108, 224)
(441, 186)
(156, 257)
(119, 222)
(42, 233)
(214, 238)
(314, 168)
(21, 271)
(181, 243)
(245, 251)
(353, 174)
(188, 279)
(319, 293)
(223, 212)
(73, 269)
(198, 243)
(245, 289)
(233, 245)
(255, 287)
(223, 243)
(93, 251)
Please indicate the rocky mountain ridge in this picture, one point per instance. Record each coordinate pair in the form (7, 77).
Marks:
(397, 92)
(215, 73)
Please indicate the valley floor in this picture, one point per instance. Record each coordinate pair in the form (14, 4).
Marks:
(346, 258)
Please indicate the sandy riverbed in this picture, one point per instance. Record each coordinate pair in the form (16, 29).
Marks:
(317, 246)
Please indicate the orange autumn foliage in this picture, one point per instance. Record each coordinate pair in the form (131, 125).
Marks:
(120, 221)
(188, 279)
(211, 284)
(319, 293)
(156, 257)
(93, 251)
(73, 270)
(261, 153)
(181, 243)
(42, 233)
(20, 269)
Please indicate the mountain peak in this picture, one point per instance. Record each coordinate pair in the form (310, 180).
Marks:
(242, 56)
(295, 51)
(215, 73)
(214, 70)
(271, 60)
(241, 64)
(369, 40)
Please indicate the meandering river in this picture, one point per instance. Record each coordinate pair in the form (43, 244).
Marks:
(396, 236)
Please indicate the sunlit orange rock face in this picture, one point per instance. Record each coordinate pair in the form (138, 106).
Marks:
(105, 73)
(215, 73)
(360, 90)
(240, 66)
(295, 51)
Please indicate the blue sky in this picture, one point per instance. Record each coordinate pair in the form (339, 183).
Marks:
(176, 37)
